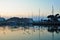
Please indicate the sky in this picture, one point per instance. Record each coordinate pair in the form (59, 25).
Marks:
(25, 8)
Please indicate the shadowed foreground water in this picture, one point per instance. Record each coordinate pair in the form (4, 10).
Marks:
(29, 33)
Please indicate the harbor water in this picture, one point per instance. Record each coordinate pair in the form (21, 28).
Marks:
(29, 33)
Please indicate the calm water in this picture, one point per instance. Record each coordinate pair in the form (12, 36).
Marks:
(29, 33)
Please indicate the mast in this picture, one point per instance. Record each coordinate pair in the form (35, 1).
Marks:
(0, 15)
(28, 15)
(32, 15)
(52, 10)
(39, 14)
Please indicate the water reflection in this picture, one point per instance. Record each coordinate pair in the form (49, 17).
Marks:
(54, 29)
(30, 32)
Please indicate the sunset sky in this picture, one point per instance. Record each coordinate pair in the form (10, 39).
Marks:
(24, 8)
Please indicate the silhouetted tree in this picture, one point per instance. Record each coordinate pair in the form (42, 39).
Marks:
(53, 17)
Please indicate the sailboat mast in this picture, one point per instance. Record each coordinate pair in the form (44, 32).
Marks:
(0, 14)
(39, 14)
(52, 10)
(32, 14)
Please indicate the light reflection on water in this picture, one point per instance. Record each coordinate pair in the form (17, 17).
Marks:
(29, 33)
